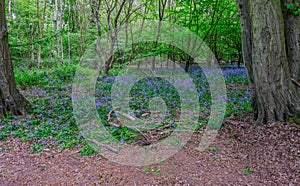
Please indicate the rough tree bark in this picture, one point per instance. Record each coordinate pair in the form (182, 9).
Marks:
(11, 101)
(274, 95)
(292, 35)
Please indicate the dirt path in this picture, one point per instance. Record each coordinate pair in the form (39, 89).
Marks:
(245, 156)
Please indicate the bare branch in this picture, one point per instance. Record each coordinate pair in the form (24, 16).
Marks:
(110, 112)
(126, 115)
(295, 82)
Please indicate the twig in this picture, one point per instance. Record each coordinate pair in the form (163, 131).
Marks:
(295, 82)
(126, 115)
(114, 125)
(146, 137)
(120, 126)
(110, 112)
(130, 127)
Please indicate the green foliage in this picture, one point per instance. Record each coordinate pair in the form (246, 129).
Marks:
(30, 78)
(87, 150)
(216, 22)
(213, 150)
(294, 8)
(247, 170)
(37, 147)
(294, 119)
(152, 171)
(42, 77)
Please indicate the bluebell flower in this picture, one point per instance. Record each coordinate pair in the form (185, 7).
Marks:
(248, 92)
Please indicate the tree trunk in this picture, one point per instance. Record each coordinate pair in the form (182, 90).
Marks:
(69, 35)
(292, 35)
(41, 22)
(274, 96)
(240, 57)
(11, 101)
(39, 47)
(59, 15)
(31, 46)
(9, 17)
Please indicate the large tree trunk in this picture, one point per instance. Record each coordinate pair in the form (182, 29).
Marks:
(274, 95)
(292, 35)
(11, 101)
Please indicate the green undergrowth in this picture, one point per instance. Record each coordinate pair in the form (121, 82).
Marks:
(52, 123)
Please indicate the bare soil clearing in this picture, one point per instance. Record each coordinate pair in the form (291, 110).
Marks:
(240, 155)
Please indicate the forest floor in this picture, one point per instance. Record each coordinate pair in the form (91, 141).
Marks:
(240, 155)
(47, 148)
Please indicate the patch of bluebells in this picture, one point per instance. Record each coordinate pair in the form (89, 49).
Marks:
(145, 89)
(52, 118)
(48, 123)
(235, 75)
